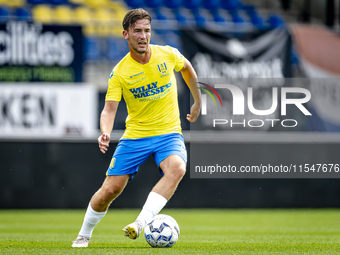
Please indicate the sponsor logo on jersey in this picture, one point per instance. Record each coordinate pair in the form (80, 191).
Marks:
(134, 75)
(142, 78)
(149, 90)
(111, 74)
(162, 68)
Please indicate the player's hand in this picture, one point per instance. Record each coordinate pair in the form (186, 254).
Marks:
(103, 142)
(194, 113)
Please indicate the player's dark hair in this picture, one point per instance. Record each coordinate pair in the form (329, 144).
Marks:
(133, 15)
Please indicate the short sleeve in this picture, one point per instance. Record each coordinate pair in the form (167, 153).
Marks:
(179, 59)
(115, 90)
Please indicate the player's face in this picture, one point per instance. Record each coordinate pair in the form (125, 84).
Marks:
(139, 35)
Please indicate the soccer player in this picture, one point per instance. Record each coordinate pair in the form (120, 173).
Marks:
(146, 80)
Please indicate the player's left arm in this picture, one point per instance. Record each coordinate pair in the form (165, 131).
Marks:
(188, 73)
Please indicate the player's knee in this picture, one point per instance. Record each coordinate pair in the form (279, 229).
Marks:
(111, 193)
(178, 172)
(182, 171)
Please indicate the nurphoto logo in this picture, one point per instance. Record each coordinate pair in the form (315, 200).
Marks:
(302, 96)
(204, 97)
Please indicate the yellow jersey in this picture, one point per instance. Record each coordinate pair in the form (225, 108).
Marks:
(150, 92)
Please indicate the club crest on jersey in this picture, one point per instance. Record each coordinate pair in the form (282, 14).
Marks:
(162, 68)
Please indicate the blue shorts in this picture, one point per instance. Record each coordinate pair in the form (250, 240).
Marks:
(131, 153)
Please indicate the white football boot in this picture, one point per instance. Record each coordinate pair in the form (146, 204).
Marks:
(133, 230)
(81, 241)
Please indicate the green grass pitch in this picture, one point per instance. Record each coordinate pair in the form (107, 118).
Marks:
(203, 231)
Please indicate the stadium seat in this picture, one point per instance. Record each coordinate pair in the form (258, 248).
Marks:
(77, 2)
(15, 3)
(4, 14)
(112, 52)
(250, 10)
(120, 9)
(230, 4)
(192, 4)
(92, 50)
(43, 14)
(97, 3)
(275, 21)
(24, 14)
(117, 31)
(64, 14)
(236, 18)
(172, 3)
(90, 29)
(36, 2)
(200, 20)
(216, 15)
(158, 37)
(181, 19)
(153, 3)
(135, 3)
(103, 14)
(257, 22)
(120, 14)
(159, 14)
(57, 2)
(160, 32)
(173, 39)
(106, 20)
(211, 4)
(117, 48)
(83, 15)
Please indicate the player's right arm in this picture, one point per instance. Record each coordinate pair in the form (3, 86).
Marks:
(107, 119)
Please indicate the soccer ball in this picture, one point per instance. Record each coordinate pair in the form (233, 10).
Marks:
(162, 231)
